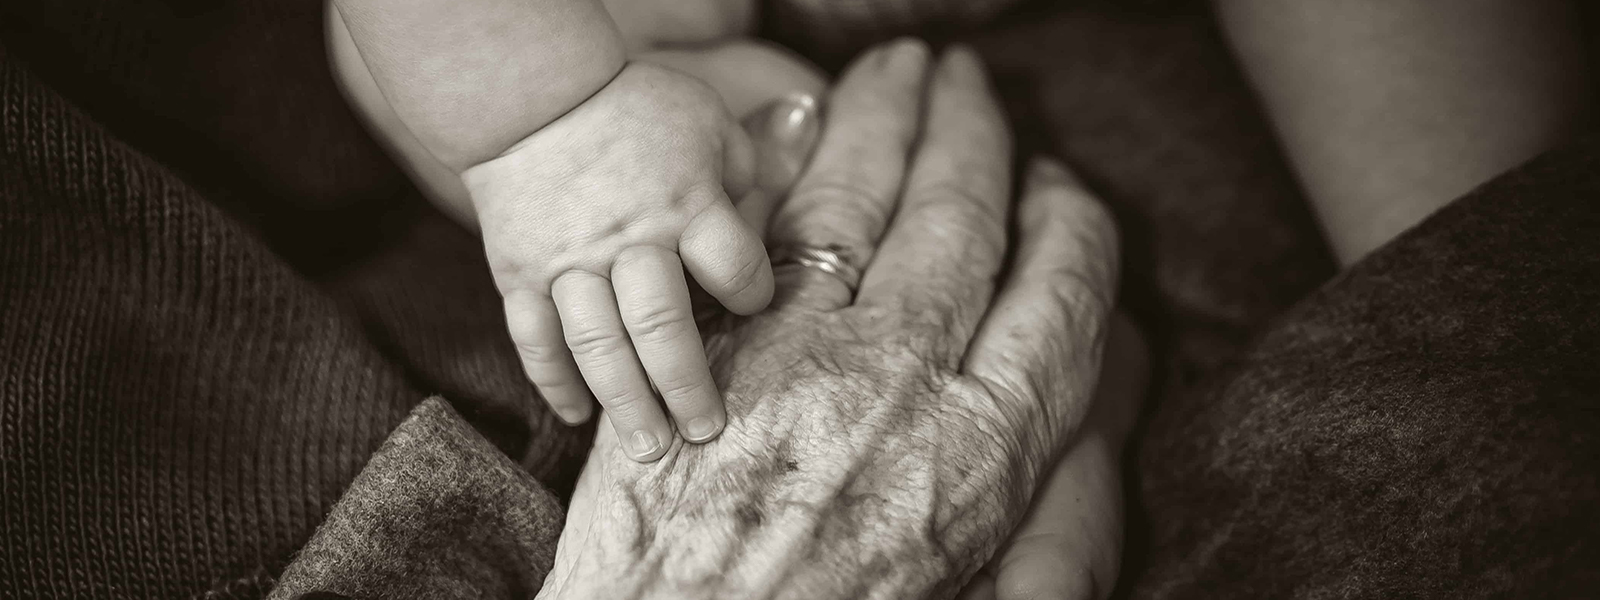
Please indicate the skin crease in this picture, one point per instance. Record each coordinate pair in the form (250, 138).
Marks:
(1076, 518)
(566, 49)
(839, 480)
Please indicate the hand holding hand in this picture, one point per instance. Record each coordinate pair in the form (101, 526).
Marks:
(882, 443)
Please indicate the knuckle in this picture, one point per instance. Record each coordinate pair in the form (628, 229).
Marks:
(965, 205)
(595, 342)
(508, 266)
(699, 196)
(680, 386)
(626, 407)
(1078, 295)
(659, 322)
(836, 190)
(969, 196)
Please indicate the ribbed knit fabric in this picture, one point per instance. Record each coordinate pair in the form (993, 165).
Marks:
(179, 409)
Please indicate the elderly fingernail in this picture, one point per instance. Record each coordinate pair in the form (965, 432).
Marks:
(1044, 169)
(701, 429)
(906, 53)
(644, 444)
(1047, 168)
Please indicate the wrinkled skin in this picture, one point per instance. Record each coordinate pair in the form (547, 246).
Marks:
(886, 445)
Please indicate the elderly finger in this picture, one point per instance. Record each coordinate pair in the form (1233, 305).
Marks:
(535, 329)
(849, 190)
(604, 353)
(1045, 330)
(654, 301)
(948, 240)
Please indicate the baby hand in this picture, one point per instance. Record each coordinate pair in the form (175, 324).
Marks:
(589, 225)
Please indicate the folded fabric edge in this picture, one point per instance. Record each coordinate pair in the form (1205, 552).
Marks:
(438, 512)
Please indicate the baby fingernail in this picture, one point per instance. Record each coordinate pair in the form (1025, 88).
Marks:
(644, 444)
(701, 429)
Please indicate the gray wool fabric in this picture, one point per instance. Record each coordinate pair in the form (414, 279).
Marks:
(437, 513)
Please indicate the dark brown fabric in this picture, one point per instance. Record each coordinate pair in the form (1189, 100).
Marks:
(832, 31)
(179, 407)
(1425, 425)
(219, 299)
(203, 339)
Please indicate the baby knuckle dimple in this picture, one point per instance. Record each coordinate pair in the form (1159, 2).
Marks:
(508, 266)
(694, 200)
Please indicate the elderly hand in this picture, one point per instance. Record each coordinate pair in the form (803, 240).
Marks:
(880, 444)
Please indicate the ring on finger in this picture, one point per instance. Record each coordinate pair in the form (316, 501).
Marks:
(832, 259)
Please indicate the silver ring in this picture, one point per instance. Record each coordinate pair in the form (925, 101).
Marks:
(833, 260)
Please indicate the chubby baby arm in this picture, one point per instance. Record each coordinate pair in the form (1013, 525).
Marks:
(590, 224)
